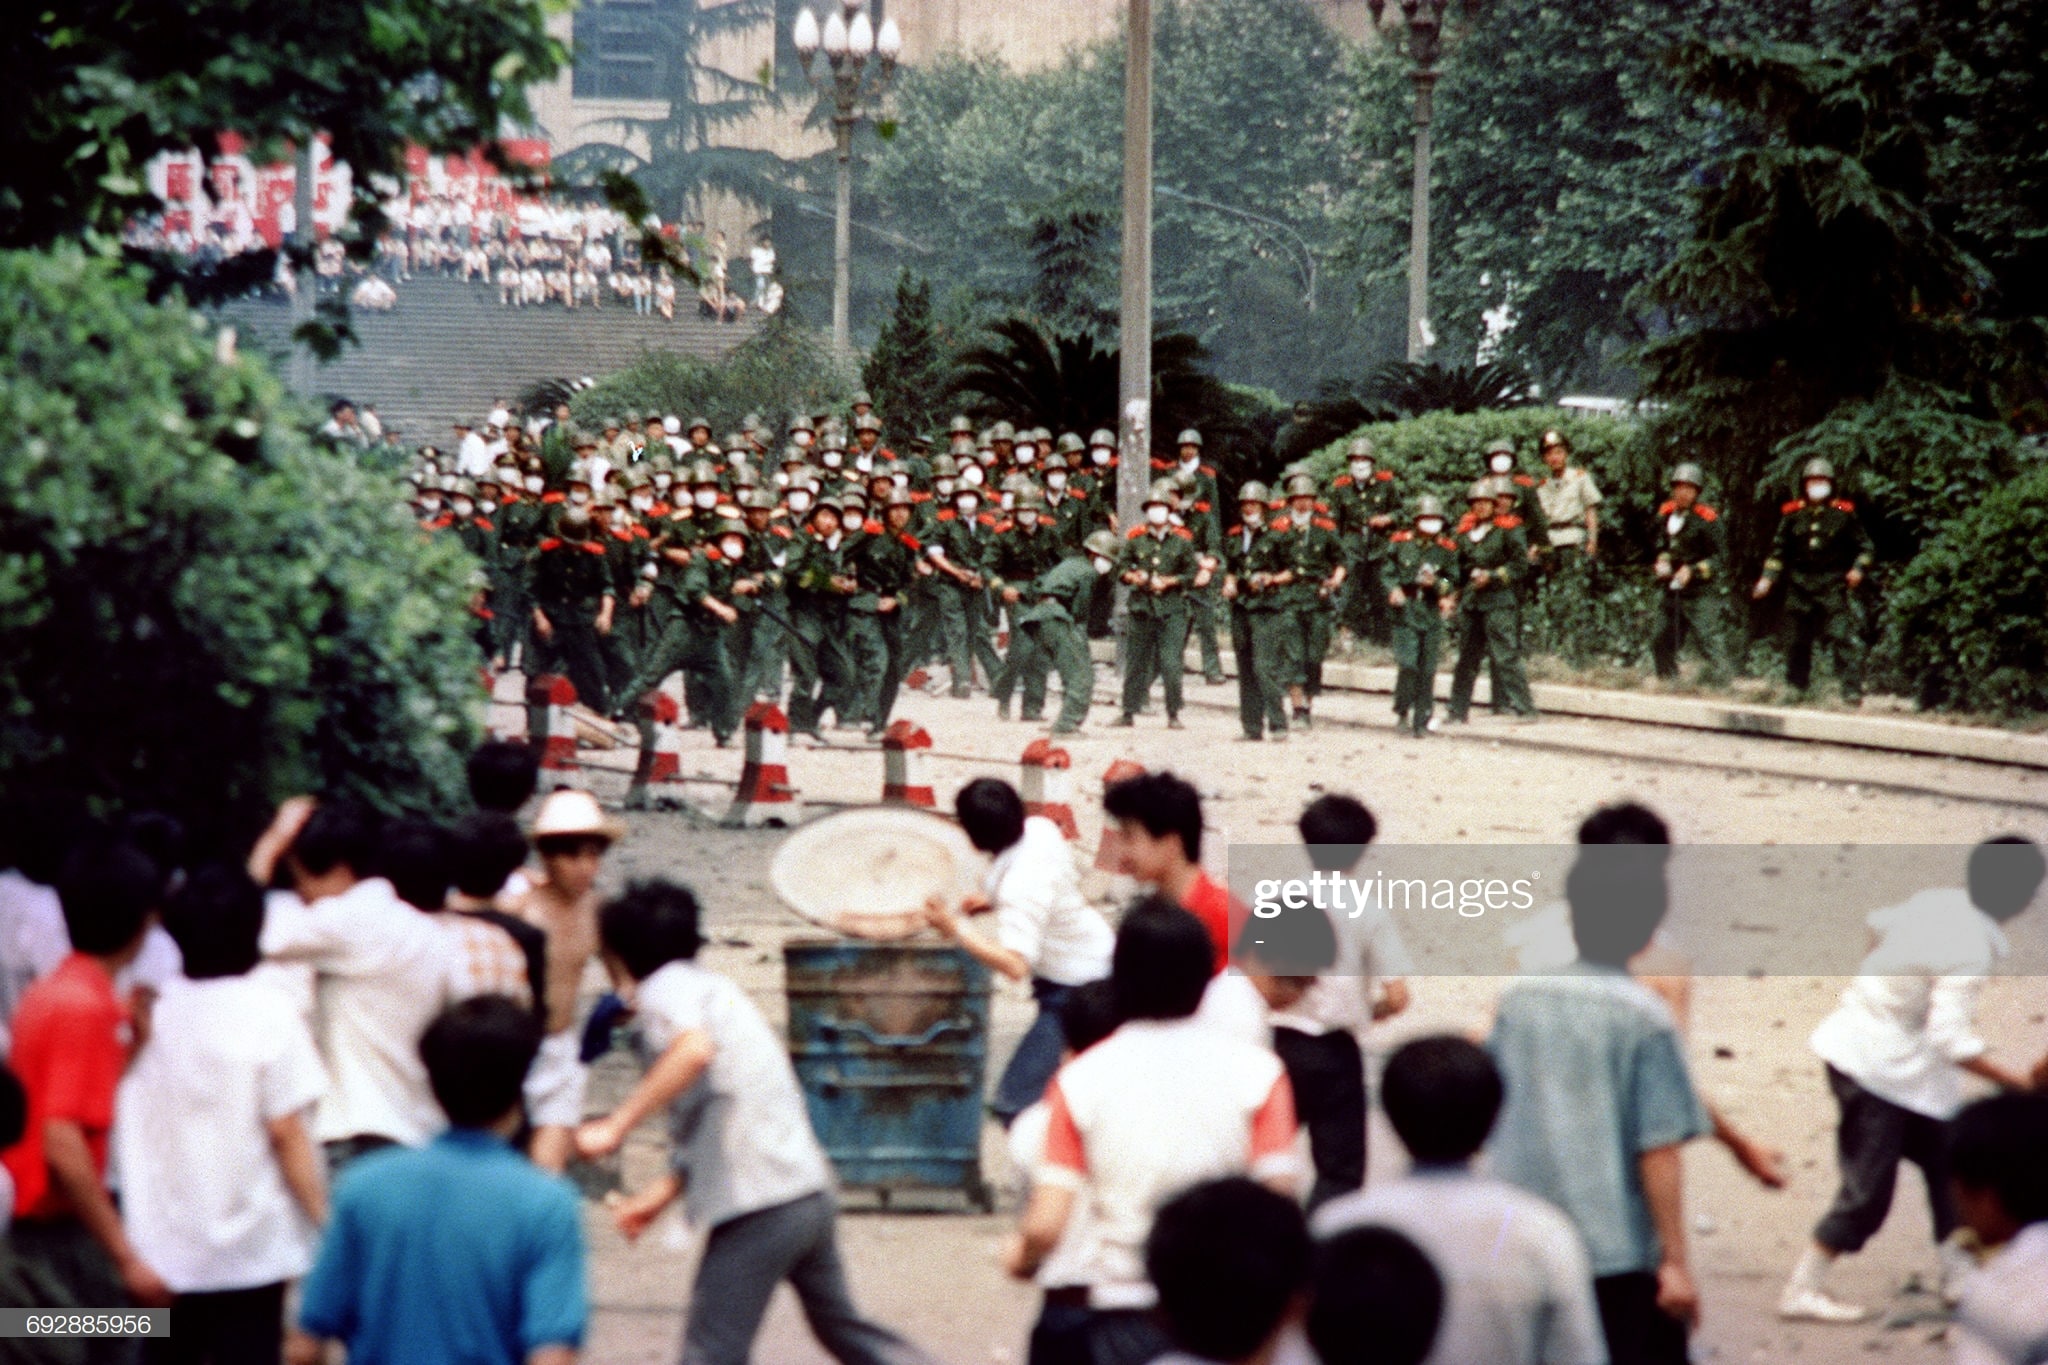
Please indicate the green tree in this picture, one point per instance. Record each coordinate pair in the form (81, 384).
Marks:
(781, 369)
(906, 372)
(202, 610)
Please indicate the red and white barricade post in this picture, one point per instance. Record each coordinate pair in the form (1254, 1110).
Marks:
(552, 695)
(905, 781)
(765, 796)
(1045, 777)
(668, 740)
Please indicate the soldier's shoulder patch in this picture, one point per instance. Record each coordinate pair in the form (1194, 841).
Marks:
(551, 543)
(948, 514)
(1209, 469)
(920, 497)
(1401, 537)
(1705, 513)
(593, 547)
(1134, 533)
(1383, 475)
(909, 541)
(1447, 542)
(1793, 506)
(1508, 522)
(1666, 508)
(1323, 524)
(1235, 531)
(1843, 505)
(1525, 481)
(987, 519)
(1184, 533)
(1283, 524)
(873, 528)
(711, 552)
(1162, 464)
(484, 524)
(1201, 505)
(783, 531)
(1341, 481)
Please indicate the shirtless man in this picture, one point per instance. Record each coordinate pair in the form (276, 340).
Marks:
(572, 834)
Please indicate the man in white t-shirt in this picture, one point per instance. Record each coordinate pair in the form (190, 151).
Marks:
(1046, 932)
(742, 1153)
(1896, 1050)
(381, 973)
(222, 1190)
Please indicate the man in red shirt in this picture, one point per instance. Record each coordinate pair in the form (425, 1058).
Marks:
(1159, 842)
(72, 1039)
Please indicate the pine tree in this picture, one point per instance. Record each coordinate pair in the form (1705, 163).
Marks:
(906, 372)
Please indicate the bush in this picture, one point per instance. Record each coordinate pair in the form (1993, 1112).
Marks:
(203, 610)
(1964, 617)
(780, 369)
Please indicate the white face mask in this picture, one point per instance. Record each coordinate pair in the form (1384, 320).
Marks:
(1817, 490)
(1102, 566)
(863, 463)
(642, 502)
(800, 439)
(1501, 464)
(508, 478)
(576, 514)
(463, 507)
(900, 480)
(705, 497)
(1025, 453)
(536, 484)
(1157, 514)
(967, 503)
(1429, 526)
(487, 506)
(833, 459)
(1055, 478)
(651, 571)
(799, 499)
(1361, 469)
(732, 547)
(971, 474)
(578, 497)
(1253, 514)
(662, 481)
(1009, 501)
(429, 506)
(1101, 454)
(944, 487)
(1027, 518)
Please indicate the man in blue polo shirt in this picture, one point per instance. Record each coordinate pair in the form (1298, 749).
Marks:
(461, 1251)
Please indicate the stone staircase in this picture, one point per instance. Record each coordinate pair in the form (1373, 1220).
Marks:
(449, 349)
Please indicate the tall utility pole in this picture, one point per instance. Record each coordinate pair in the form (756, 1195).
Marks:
(1134, 383)
(842, 240)
(1425, 29)
(303, 239)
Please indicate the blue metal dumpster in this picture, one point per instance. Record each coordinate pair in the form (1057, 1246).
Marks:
(890, 1042)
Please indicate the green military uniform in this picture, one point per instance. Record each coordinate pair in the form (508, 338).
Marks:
(1291, 640)
(692, 637)
(1021, 554)
(818, 664)
(1363, 503)
(1052, 611)
(1163, 563)
(965, 618)
(885, 563)
(1423, 570)
(1261, 706)
(1200, 501)
(1489, 613)
(572, 582)
(1689, 540)
(760, 645)
(1819, 543)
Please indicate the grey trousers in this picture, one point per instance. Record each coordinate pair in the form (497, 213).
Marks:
(745, 1259)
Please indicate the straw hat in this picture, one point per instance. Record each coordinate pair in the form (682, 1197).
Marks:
(575, 813)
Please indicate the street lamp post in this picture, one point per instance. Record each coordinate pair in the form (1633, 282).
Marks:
(848, 59)
(1424, 22)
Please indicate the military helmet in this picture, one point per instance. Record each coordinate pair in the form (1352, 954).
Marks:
(1554, 438)
(605, 498)
(463, 488)
(1251, 490)
(579, 472)
(1042, 435)
(743, 477)
(920, 442)
(1102, 436)
(861, 399)
(735, 440)
(1428, 505)
(703, 472)
(1689, 473)
(699, 422)
(752, 423)
(961, 425)
(1190, 437)
(867, 421)
(801, 421)
(448, 483)
(831, 439)
(661, 463)
(636, 477)
(757, 500)
(1015, 483)
(728, 526)
(1302, 486)
(1002, 431)
(897, 497)
(491, 477)
(1817, 468)
(945, 467)
(1029, 499)
(831, 501)
(1102, 543)
(1480, 491)
(795, 455)
(1162, 491)
(1359, 449)
(1068, 444)
(1500, 445)
(853, 495)
(1503, 486)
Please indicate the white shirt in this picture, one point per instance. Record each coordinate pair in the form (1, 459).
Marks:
(34, 940)
(1233, 1005)
(202, 1193)
(1518, 1289)
(1040, 912)
(741, 1135)
(1067, 1264)
(1156, 1107)
(1369, 948)
(2003, 1318)
(1910, 1014)
(382, 972)
(473, 457)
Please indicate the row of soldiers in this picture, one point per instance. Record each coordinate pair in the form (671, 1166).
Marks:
(831, 571)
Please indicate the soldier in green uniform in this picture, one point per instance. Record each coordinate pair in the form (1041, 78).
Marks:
(1261, 708)
(1199, 512)
(759, 646)
(693, 602)
(962, 545)
(1689, 548)
(1493, 559)
(1049, 612)
(1822, 553)
(1523, 501)
(820, 583)
(1159, 564)
(1419, 575)
(885, 562)
(1364, 505)
(574, 600)
(1026, 545)
(1301, 564)
(1067, 514)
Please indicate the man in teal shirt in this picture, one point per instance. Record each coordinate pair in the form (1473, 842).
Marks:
(460, 1251)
